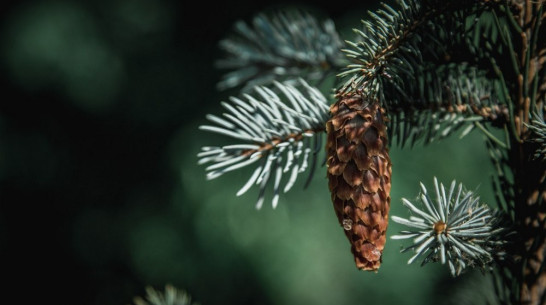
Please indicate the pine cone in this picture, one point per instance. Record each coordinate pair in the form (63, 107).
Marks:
(359, 174)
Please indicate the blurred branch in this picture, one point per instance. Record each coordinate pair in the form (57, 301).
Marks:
(171, 296)
(286, 45)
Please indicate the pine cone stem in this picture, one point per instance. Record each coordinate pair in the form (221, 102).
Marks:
(359, 174)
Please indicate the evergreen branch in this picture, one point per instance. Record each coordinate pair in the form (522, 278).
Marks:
(402, 64)
(518, 59)
(285, 45)
(538, 128)
(284, 137)
(379, 40)
(440, 101)
(394, 43)
(171, 296)
(491, 137)
(455, 228)
(502, 184)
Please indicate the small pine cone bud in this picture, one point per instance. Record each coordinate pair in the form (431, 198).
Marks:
(359, 174)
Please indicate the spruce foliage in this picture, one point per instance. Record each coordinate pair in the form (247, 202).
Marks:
(433, 69)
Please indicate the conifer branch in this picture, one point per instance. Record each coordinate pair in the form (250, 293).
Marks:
(538, 128)
(393, 43)
(399, 62)
(379, 41)
(283, 136)
(442, 101)
(454, 228)
(432, 68)
(286, 45)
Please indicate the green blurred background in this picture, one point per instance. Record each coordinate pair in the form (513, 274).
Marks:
(101, 194)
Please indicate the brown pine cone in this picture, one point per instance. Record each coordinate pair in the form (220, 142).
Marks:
(359, 174)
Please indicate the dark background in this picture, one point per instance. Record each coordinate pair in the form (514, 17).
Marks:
(100, 192)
